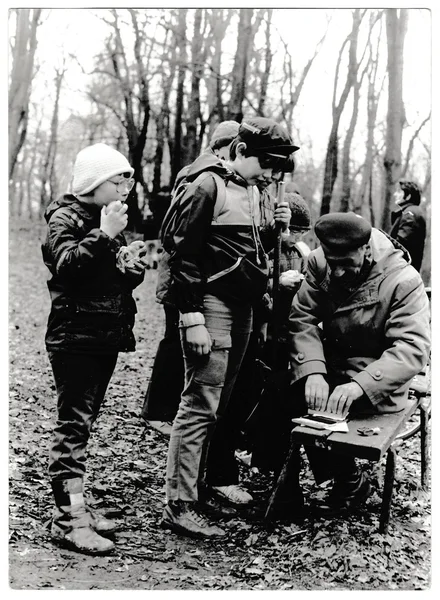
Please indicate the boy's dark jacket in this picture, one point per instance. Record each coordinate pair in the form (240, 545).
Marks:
(92, 308)
(198, 251)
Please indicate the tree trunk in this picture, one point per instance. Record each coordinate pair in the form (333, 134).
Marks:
(162, 121)
(364, 205)
(194, 100)
(331, 159)
(267, 66)
(176, 163)
(23, 54)
(48, 175)
(396, 31)
(239, 70)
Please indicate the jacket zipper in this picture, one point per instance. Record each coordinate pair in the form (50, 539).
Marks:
(225, 271)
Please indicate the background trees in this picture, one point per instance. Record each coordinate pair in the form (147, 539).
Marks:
(158, 81)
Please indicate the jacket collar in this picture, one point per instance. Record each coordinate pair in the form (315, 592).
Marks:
(386, 260)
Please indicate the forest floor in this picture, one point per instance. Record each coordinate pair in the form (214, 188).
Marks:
(126, 467)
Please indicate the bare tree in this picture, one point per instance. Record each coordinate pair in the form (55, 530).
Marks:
(396, 31)
(192, 140)
(48, 174)
(23, 54)
(180, 41)
(268, 56)
(410, 149)
(162, 120)
(295, 89)
(346, 201)
(239, 70)
(364, 204)
(331, 159)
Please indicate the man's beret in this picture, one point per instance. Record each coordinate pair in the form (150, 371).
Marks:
(343, 231)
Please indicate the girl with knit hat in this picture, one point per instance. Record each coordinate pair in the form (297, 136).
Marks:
(93, 273)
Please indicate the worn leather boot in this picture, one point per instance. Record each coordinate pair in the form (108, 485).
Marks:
(346, 496)
(72, 523)
(183, 517)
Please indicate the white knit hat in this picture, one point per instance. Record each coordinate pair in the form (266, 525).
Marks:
(94, 165)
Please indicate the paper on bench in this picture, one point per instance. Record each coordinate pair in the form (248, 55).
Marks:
(340, 426)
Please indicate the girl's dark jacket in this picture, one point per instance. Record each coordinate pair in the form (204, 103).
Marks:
(92, 310)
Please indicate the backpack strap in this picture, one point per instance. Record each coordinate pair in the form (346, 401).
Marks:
(220, 200)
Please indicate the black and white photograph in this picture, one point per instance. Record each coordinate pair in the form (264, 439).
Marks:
(219, 298)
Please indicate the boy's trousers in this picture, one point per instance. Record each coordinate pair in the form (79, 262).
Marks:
(209, 380)
(81, 381)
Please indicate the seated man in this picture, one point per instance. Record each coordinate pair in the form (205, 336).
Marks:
(359, 332)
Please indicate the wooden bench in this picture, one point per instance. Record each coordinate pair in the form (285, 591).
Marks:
(372, 447)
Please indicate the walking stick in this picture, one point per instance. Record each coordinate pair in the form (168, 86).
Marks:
(276, 326)
(276, 281)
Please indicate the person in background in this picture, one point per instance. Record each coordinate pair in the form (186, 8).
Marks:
(408, 222)
(167, 377)
(358, 332)
(93, 273)
(219, 271)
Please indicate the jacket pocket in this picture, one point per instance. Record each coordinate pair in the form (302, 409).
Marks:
(99, 305)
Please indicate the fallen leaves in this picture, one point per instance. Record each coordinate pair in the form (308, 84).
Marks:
(126, 477)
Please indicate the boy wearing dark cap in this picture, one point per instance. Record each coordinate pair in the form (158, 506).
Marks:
(219, 270)
(91, 319)
(359, 332)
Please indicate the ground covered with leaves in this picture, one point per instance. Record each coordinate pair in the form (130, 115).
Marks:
(126, 468)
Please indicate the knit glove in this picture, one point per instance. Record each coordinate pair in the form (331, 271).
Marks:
(132, 257)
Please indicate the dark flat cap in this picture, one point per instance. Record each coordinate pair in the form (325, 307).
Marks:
(343, 231)
(264, 135)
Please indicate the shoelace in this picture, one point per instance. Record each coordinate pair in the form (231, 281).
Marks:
(198, 518)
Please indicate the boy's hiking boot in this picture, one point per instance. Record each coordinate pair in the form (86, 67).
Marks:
(72, 524)
(346, 496)
(232, 494)
(163, 427)
(184, 518)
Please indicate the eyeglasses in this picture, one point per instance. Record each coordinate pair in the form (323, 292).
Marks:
(123, 183)
(271, 162)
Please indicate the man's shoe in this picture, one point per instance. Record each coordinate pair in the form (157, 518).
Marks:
(183, 518)
(163, 427)
(345, 497)
(232, 494)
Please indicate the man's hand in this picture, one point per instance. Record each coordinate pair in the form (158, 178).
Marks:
(343, 397)
(198, 339)
(316, 392)
(114, 218)
(282, 215)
